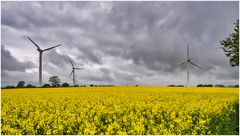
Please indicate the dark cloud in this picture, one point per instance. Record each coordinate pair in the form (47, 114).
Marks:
(102, 75)
(228, 75)
(90, 55)
(60, 60)
(10, 63)
(124, 42)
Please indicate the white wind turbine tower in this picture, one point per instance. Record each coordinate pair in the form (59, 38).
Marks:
(40, 58)
(188, 61)
(73, 72)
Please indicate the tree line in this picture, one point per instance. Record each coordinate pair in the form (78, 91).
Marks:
(54, 81)
(208, 85)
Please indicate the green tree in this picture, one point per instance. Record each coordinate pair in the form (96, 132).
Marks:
(20, 84)
(65, 85)
(230, 46)
(46, 86)
(54, 81)
(30, 86)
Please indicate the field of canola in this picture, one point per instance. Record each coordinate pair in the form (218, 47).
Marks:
(120, 110)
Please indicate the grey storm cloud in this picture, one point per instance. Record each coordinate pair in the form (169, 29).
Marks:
(10, 63)
(90, 55)
(105, 75)
(127, 42)
(57, 59)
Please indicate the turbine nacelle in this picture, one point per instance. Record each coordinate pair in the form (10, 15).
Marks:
(39, 50)
(73, 68)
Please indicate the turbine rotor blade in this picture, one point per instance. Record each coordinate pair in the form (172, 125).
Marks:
(71, 74)
(52, 47)
(71, 62)
(75, 81)
(195, 64)
(188, 51)
(79, 68)
(181, 64)
(34, 43)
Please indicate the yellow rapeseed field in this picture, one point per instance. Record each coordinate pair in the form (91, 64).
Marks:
(120, 110)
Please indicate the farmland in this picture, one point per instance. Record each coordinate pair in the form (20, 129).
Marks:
(120, 110)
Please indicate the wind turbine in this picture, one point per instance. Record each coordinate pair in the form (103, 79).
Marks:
(188, 61)
(40, 58)
(73, 72)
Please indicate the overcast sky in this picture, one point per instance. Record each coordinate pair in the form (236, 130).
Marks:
(119, 43)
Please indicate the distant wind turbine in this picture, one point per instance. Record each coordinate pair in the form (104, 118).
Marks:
(73, 72)
(188, 61)
(40, 58)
